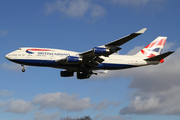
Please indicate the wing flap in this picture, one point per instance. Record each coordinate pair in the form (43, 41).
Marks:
(95, 61)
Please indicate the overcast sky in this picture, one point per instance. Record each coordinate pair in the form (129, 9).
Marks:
(150, 92)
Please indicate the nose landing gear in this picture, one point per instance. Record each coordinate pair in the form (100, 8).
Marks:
(23, 70)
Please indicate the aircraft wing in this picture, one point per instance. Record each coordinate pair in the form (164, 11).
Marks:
(107, 49)
(113, 46)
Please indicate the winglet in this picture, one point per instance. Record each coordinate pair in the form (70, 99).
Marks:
(141, 31)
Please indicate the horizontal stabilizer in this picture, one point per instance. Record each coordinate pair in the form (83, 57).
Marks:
(159, 57)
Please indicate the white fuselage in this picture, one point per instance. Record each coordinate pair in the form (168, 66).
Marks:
(48, 57)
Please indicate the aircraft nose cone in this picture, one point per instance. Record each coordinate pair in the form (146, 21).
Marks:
(7, 57)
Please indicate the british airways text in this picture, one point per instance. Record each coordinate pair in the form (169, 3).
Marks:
(57, 54)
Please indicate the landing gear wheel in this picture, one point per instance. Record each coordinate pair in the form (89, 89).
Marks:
(23, 70)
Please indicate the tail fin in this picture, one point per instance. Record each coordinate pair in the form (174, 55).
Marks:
(154, 48)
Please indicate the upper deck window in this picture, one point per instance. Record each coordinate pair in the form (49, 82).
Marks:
(19, 49)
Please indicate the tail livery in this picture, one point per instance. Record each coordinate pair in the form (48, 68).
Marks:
(152, 52)
(154, 48)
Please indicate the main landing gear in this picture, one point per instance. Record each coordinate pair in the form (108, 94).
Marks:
(23, 70)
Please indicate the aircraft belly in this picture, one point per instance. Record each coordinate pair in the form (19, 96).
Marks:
(45, 63)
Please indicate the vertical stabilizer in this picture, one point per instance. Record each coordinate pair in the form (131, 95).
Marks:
(153, 49)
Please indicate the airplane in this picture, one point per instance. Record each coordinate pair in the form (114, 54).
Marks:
(98, 58)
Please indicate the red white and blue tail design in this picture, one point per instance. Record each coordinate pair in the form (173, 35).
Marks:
(154, 48)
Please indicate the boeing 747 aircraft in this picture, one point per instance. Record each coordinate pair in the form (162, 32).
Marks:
(98, 58)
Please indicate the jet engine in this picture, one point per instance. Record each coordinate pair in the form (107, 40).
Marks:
(72, 59)
(66, 74)
(100, 50)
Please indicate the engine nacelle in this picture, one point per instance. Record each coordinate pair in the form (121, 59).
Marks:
(100, 50)
(66, 74)
(72, 59)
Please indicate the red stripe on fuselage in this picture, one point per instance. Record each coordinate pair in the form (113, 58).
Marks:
(38, 50)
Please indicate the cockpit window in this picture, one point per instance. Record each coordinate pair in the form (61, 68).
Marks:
(19, 49)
